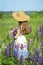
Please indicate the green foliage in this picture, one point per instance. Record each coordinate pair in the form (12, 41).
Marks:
(1, 15)
(34, 15)
(37, 15)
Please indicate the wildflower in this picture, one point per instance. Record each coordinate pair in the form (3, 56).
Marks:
(8, 51)
(41, 28)
(40, 60)
(16, 51)
(33, 57)
(28, 59)
(13, 47)
(21, 60)
(40, 31)
(41, 47)
(34, 60)
(36, 52)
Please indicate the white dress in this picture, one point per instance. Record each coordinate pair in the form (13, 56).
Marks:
(21, 48)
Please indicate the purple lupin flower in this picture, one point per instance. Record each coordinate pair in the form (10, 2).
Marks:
(33, 57)
(41, 35)
(21, 60)
(41, 47)
(8, 51)
(40, 60)
(29, 57)
(30, 41)
(28, 45)
(41, 44)
(40, 31)
(14, 49)
(16, 52)
(13, 43)
(36, 52)
(34, 60)
(41, 28)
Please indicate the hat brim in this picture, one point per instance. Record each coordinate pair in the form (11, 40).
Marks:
(20, 18)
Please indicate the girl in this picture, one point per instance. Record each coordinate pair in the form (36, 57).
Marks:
(20, 47)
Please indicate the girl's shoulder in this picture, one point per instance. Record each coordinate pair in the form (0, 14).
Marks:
(21, 38)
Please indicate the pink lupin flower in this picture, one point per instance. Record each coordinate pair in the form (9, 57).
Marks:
(30, 40)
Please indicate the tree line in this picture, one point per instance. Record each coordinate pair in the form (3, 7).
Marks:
(33, 14)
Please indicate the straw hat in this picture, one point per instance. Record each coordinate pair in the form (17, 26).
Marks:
(20, 16)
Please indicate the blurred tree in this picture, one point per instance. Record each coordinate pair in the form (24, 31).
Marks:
(34, 15)
(1, 15)
(41, 12)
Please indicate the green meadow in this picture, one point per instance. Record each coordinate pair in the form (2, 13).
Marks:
(7, 22)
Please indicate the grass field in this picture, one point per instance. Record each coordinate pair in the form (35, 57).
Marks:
(7, 23)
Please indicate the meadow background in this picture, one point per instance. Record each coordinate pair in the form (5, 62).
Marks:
(7, 22)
